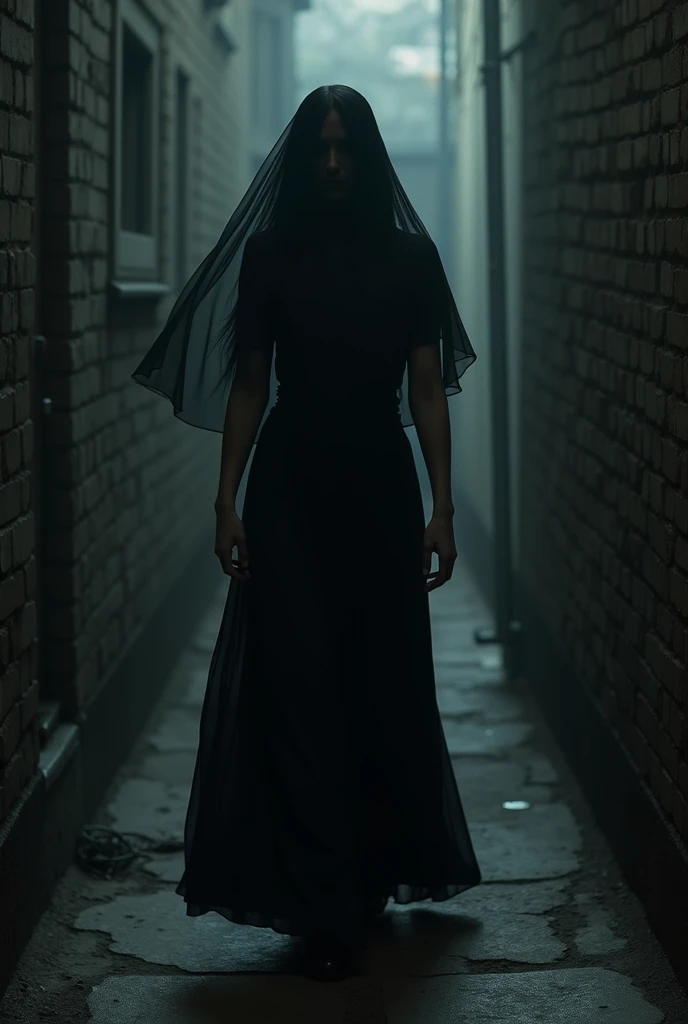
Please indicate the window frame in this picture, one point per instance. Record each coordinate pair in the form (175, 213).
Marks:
(137, 256)
(183, 203)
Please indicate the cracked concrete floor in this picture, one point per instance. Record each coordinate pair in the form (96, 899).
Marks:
(553, 935)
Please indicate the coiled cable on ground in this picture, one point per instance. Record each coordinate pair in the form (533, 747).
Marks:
(104, 852)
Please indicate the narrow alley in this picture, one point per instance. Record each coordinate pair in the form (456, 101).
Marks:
(490, 187)
(552, 935)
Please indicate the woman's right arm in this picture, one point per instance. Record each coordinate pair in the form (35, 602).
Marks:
(248, 398)
(246, 406)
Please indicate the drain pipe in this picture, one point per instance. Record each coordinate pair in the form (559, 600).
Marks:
(443, 151)
(507, 629)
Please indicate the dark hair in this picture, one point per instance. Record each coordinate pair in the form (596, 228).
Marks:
(372, 195)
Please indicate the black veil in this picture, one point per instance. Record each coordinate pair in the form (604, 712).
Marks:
(193, 360)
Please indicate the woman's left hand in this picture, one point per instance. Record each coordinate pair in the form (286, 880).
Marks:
(439, 537)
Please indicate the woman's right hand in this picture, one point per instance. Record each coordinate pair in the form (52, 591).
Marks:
(229, 534)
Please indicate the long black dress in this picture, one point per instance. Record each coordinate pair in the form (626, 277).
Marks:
(323, 784)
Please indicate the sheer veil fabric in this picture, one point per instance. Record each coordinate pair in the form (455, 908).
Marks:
(323, 785)
(193, 361)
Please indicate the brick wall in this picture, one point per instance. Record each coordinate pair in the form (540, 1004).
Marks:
(126, 491)
(74, 173)
(18, 683)
(605, 363)
(170, 477)
(131, 488)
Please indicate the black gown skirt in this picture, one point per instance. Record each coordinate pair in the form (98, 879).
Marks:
(323, 784)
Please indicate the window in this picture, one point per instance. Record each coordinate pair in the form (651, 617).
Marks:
(137, 144)
(199, 243)
(182, 168)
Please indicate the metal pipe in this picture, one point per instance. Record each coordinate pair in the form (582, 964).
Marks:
(506, 628)
(443, 178)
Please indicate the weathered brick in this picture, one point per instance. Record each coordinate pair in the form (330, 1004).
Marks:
(605, 283)
(29, 705)
(115, 453)
(17, 274)
(11, 781)
(680, 22)
(678, 591)
(10, 733)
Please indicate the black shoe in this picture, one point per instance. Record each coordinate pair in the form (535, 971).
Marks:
(329, 959)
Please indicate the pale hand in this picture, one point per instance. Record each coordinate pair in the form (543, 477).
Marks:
(438, 538)
(229, 534)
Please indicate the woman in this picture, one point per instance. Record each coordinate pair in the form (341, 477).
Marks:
(323, 785)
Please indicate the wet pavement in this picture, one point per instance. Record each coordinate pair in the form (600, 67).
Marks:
(552, 935)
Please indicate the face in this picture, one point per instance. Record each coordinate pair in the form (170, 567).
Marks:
(334, 166)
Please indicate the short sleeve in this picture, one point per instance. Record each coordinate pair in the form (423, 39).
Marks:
(254, 322)
(428, 291)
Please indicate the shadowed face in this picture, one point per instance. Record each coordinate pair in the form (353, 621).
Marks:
(334, 166)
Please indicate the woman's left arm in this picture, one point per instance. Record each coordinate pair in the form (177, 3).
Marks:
(430, 411)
